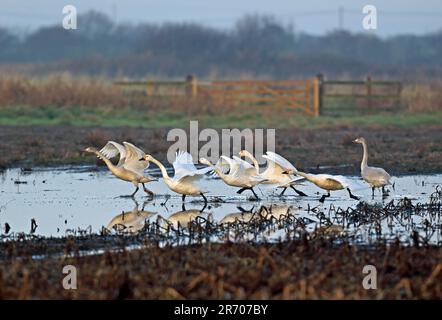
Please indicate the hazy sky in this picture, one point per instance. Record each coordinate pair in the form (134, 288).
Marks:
(313, 16)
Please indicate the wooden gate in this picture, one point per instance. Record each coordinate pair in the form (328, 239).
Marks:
(298, 94)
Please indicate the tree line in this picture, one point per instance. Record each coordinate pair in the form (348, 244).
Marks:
(259, 46)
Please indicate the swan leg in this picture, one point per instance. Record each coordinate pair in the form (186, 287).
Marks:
(204, 197)
(300, 193)
(136, 190)
(372, 192)
(183, 197)
(282, 193)
(254, 193)
(205, 205)
(150, 193)
(352, 195)
(241, 190)
(183, 207)
(324, 196)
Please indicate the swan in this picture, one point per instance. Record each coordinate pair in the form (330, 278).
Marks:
(326, 182)
(241, 174)
(273, 173)
(184, 218)
(375, 177)
(130, 221)
(186, 175)
(129, 168)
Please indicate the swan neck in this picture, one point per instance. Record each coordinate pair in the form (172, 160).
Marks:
(108, 163)
(365, 156)
(255, 162)
(162, 168)
(305, 175)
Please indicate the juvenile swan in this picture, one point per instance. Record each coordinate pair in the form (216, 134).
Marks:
(375, 177)
(129, 168)
(186, 175)
(326, 182)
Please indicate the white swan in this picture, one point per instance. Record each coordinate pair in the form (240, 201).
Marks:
(274, 172)
(186, 175)
(241, 174)
(375, 177)
(326, 182)
(129, 168)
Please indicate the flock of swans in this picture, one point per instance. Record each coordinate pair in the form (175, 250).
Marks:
(233, 171)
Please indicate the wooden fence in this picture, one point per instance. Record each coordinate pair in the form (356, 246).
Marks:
(314, 96)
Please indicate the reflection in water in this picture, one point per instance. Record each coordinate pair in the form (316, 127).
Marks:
(182, 219)
(130, 221)
(62, 200)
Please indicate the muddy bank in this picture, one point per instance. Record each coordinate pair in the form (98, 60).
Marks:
(289, 270)
(398, 150)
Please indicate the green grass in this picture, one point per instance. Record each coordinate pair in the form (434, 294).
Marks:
(108, 117)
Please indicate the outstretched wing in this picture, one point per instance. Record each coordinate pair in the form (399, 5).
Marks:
(133, 156)
(234, 165)
(279, 160)
(184, 167)
(250, 170)
(112, 149)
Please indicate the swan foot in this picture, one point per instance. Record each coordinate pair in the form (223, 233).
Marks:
(323, 197)
(131, 195)
(300, 193)
(352, 195)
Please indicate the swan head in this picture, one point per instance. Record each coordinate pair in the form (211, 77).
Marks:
(245, 153)
(146, 157)
(289, 171)
(359, 140)
(205, 161)
(90, 149)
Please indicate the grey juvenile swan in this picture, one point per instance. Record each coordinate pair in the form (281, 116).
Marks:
(375, 177)
(129, 168)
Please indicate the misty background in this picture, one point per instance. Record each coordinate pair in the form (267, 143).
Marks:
(170, 39)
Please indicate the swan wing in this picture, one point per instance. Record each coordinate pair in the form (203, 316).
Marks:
(133, 156)
(184, 167)
(250, 169)
(112, 149)
(235, 166)
(341, 179)
(279, 160)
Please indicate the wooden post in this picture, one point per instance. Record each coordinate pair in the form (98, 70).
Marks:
(191, 86)
(369, 91)
(317, 95)
(149, 88)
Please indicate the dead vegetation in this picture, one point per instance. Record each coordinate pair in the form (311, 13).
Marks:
(182, 262)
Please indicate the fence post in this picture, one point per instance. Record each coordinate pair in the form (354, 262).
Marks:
(317, 94)
(369, 91)
(191, 86)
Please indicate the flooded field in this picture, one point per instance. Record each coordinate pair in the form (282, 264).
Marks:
(78, 200)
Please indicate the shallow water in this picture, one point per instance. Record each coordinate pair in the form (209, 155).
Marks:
(63, 200)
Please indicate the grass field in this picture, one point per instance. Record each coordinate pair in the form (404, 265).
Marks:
(137, 117)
